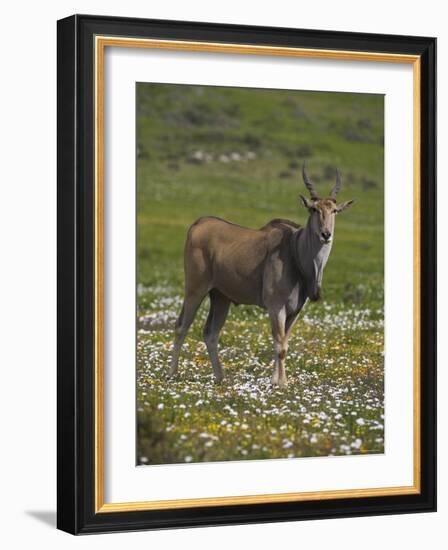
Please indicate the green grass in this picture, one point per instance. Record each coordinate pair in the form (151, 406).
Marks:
(334, 403)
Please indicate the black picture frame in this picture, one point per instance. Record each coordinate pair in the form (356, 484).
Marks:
(76, 254)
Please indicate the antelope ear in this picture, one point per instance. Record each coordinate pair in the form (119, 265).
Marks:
(343, 206)
(306, 203)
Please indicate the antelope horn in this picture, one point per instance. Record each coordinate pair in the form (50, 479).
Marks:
(337, 186)
(308, 184)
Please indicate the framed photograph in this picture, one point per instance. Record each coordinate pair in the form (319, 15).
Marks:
(246, 274)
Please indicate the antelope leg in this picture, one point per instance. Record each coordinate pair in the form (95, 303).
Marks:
(183, 323)
(278, 320)
(219, 308)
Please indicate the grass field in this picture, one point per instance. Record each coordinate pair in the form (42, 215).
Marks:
(237, 154)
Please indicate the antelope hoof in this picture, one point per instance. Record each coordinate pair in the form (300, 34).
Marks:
(172, 372)
(280, 382)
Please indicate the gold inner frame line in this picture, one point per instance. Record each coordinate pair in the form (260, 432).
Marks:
(101, 42)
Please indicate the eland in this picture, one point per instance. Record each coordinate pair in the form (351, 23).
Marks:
(277, 267)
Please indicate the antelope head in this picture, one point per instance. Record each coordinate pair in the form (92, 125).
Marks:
(323, 210)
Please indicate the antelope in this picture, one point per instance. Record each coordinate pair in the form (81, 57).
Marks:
(277, 267)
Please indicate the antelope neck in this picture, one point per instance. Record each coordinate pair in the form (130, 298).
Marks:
(311, 257)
